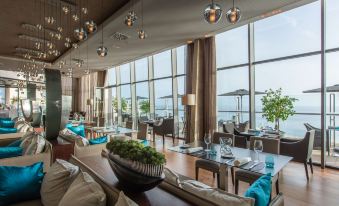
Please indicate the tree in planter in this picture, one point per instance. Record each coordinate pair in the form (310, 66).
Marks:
(144, 107)
(277, 107)
(123, 105)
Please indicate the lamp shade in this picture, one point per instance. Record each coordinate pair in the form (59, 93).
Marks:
(188, 99)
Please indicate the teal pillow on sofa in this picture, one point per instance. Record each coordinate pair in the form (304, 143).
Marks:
(5, 118)
(7, 152)
(260, 190)
(7, 124)
(19, 184)
(79, 130)
(16, 143)
(99, 140)
(7, 130)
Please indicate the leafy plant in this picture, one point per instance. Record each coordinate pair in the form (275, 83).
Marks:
(123, 104)
(14, 100)
(145, 106)
(136, 151)
(276, 106)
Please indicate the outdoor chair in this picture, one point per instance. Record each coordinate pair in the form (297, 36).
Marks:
(317, 137)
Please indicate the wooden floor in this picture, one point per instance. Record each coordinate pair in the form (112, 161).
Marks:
(322, 188)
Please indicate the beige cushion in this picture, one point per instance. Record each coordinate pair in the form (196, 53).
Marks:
(214, 195)
(84, 191)
(171, 177)
(37, 145)
(56, 182)
(26, 141)
(123, 200)
(82, 142)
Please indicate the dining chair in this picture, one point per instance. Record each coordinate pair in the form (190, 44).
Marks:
(164, 127)
(301, 150)
(318, 137)
(142, 131)
(270, 145)
(228, 127)
(210, 165)
(240, 141)
(129, 125)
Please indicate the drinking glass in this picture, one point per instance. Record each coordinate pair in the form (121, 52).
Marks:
(225, 146)
(258, 147)
(208, 140)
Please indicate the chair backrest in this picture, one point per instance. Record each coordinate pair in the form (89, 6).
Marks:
(270, 145)
(217, 135)
(311, 134)
(228, 128)
(142, 131)
(240, 141)
(244, 127)
(129, 124)
(310, 127)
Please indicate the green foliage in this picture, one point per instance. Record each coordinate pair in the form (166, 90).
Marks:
(123, 104)
(276, 106)
(145, 106)
(136, 151)
(14, 100)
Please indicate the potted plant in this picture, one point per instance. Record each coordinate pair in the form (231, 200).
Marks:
(277, 107)
(145, 107)
(137, 167)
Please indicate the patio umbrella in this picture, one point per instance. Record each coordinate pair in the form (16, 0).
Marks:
(240, 93)
(334, 88)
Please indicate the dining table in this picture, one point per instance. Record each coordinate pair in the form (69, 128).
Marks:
(112, 130)
(280, 161)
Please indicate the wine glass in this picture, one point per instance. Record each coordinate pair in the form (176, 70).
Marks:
(208, 140)
(225, 146)
(258, 147)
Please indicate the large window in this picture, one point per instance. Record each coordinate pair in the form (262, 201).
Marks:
(181, 60)
(111, 77)
(2, 95)
(142, 100)
(141, 69)
(125, 74)
(163, 98)
(162, 64)
(289, 33)
(332, 24)
(126, 103)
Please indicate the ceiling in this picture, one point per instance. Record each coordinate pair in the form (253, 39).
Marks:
(167, 23)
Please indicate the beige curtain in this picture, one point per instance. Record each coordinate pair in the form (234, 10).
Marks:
(66, 85)
(201, 81)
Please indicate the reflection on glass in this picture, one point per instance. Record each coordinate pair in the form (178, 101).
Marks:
(163, 98)
(162, 64)
(291, 32)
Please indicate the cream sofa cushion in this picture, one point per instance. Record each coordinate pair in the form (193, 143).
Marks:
(37, 145)
(56, 182)
(171, 177)
(123, 200)
(84, 191)
(26, 141)
(214, 195)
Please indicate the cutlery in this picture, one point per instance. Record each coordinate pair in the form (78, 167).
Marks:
(252, 166)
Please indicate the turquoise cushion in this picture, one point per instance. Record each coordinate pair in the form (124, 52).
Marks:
(16, 143)
(79, 130)
(7, 152)
(260, 190)
(7, 123)
(7, 130)
(6, 118)
(19, 184)
(99, 140)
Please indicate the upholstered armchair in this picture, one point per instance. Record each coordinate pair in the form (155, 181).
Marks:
(228, 128)
(301, 151)
(142, 131)
(164, 127)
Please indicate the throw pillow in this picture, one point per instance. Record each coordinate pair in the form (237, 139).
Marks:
(56, 182)
(8, 152)
(123, 200)
(216, 196)
(84, 191)
(99, 140)
(7, 124)
(171, 177)
(26, 141)
(37, 145)
(19, 184)
(79, 130)
(260, 190)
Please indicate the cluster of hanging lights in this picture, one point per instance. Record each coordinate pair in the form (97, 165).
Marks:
(102, 50)
(131, 18)
(213, 13)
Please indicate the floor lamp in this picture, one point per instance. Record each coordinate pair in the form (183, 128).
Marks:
(187, 100)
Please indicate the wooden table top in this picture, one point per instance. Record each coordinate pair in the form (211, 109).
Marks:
(156, 196)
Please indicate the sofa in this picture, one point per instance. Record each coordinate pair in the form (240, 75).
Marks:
(45, 156)
(68, 192)
(173, 186)
(7, 126)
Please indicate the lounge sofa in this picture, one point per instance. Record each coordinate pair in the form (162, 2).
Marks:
(172, 185)
(7, 126)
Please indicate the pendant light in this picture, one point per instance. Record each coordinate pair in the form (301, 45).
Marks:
(80, 33)
(141, 33)
(233, 15)
(90, 25)
(131, 17)
(212, 13)
(101, 50)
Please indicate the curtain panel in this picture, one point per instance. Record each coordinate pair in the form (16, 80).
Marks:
(201, 81)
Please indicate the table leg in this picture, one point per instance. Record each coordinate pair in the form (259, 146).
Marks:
(223, 170)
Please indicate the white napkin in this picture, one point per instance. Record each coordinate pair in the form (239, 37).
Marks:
(193, 149)
(241, 161)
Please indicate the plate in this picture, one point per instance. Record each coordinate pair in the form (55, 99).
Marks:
(185, 146)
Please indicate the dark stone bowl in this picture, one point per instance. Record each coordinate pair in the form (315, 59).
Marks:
(132, 180)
